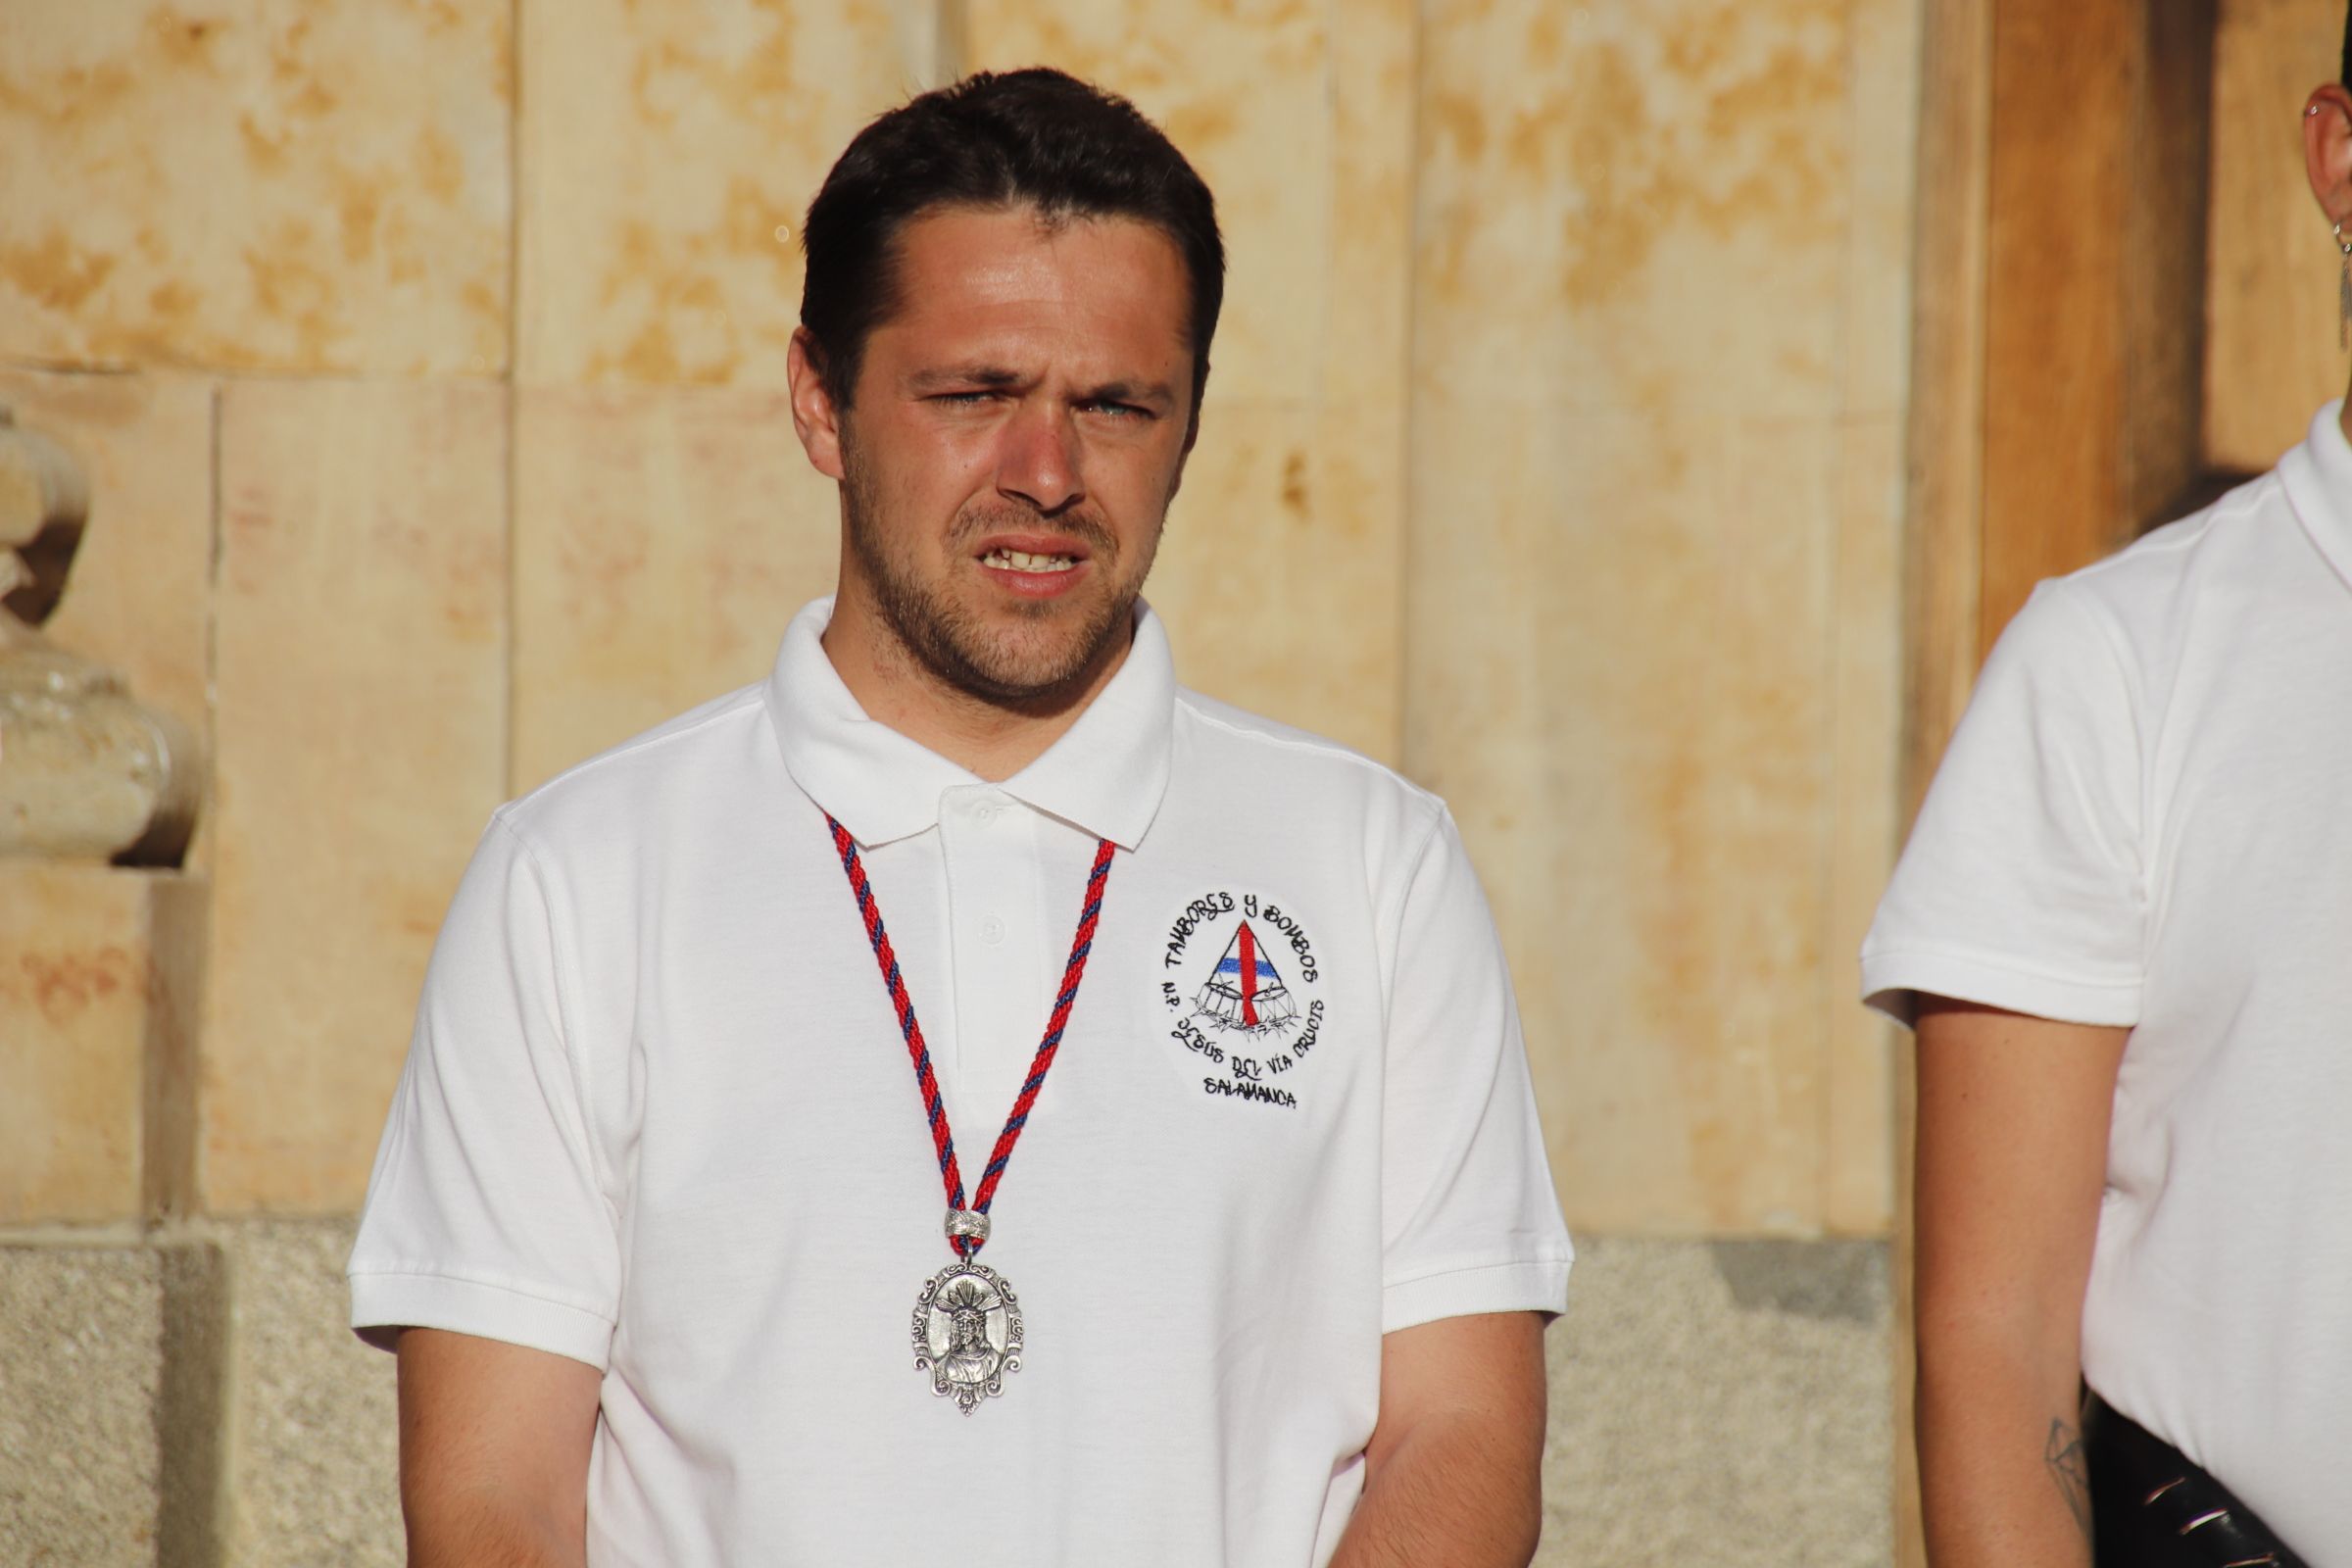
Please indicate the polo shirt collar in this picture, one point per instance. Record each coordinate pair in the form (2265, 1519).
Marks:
(2317, 476)
(1105, 774)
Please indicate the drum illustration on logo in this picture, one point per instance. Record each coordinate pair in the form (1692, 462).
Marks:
(1244, 991)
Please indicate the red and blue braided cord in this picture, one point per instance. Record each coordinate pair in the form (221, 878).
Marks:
(942, 1138)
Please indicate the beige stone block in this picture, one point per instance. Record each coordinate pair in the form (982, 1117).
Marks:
(1883, 39)
(1866, 675)
(275, 184)
(1299, 120)
(74, 1010)
(930, 38)
(1246, 92)
(361, 671)
(662, 539)
(1278, 575)
(1621, 683)
(316, 1476)
(669, 152)
(1626, 205)
(1368, 284)
(137, 598)
(2270, 353)
(1721, 1402)
(99, 970)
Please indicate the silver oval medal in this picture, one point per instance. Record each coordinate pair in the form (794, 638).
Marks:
(967, 1333)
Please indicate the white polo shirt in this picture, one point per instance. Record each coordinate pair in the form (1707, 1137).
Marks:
(2146, 818)
(658, 1116)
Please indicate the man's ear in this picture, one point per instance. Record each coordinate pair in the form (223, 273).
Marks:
(2328, 150)
(814, 417)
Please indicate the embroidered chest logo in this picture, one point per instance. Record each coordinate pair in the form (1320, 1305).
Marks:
(1239, 968)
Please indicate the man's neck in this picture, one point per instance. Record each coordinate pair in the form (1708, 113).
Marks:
(991, 740)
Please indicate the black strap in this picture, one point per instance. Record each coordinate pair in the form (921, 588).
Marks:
(2151, 1507)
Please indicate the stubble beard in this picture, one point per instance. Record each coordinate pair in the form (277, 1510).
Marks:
(1053, 645)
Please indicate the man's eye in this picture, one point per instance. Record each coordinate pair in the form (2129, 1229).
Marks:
(1123, 411)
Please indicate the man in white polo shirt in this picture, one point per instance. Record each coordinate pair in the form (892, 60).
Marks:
(700, 1221)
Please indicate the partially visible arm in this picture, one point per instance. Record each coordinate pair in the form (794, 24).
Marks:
(1452, 1476)
(494, 1444)
(2012, 1162)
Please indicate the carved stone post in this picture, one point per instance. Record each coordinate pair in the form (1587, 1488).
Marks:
(85, 772)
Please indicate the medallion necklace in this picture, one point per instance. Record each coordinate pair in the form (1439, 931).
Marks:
(967, 1322)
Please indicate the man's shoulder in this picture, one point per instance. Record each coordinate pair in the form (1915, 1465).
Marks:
(625, 785)
(1307, 766)
(2142, 610)
(2242, 537)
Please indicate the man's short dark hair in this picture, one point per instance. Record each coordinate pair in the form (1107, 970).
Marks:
(1033, 138)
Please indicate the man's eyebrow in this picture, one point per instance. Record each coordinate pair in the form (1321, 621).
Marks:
(965, 375)
(1159, 394)
(1138, 392)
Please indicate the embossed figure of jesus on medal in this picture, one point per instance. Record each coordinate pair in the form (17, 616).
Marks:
(967, 1322)
(967, 1331)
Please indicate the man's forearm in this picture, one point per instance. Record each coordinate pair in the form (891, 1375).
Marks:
(478, 1528)
(2002, 1471)
(2014, 1115)
(1457, 1493)
(494, 1450)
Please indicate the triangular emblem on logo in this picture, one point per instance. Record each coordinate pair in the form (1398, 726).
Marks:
(1244, 991)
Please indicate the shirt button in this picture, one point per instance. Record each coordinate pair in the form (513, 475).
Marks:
(991, 930)
(986, 811)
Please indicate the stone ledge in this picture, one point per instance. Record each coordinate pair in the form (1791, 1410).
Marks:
(1721, 1403)
(1712, 1403)
(317, 1453)
(109, 1408)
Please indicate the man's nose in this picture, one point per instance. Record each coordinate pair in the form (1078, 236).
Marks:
(1039, 460)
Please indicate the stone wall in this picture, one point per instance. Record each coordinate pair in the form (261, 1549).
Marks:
(426, 361)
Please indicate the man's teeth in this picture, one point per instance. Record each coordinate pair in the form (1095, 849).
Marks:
(1023, 561)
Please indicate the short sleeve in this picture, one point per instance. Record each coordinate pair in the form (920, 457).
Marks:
(1469, 1220)
(2023, 884)
(484, 1215)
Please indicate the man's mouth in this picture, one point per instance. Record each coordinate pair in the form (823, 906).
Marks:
(1023, 560)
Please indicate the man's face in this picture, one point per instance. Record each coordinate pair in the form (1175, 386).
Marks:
(1016, 434)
